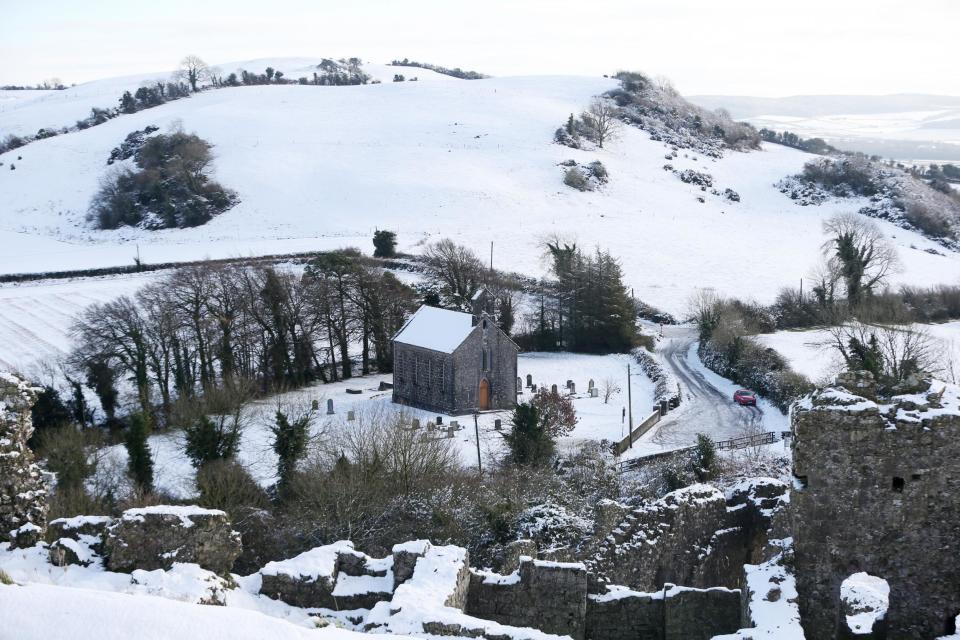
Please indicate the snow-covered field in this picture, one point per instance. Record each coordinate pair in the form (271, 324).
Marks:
(810, 353)
(597, 420)
(321, 167)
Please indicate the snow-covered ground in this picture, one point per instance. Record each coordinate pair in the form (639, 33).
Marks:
(88, 603)
(811, 354)
(321, 167)
(597, 420)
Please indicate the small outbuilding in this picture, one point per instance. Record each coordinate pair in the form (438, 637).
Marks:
(454, 362)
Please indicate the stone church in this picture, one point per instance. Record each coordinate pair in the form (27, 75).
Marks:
(453, 362)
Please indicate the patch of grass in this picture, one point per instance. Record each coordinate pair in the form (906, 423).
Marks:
(5, 578)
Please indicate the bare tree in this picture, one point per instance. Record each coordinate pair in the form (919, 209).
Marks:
(891, 353)
(193, 70)
(457, 268)
(609, 387)
(603, 120)
(860, 253)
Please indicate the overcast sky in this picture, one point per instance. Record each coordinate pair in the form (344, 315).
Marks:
(735, 47)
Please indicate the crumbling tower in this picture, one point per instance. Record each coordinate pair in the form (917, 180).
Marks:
(878, 491)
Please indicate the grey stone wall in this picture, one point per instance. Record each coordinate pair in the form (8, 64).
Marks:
(23, 495)
(500, 372)
(423, 378)
(880, 494)
(669, 540)
(674, 613)
(550, 597)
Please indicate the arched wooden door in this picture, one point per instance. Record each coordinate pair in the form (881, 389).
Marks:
(484, 395)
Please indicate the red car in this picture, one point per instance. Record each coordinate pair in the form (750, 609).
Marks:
(745, 398)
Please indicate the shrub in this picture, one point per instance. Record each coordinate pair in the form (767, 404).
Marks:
(139, 462)
(227, 485)
(171, 189)
(573, 177)
(5, 578)
(210, 439)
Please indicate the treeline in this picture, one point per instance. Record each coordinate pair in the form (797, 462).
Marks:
(788, 139)
(188, 79)
(848, 293)
(585, 306)
(207, 327)
(456, 72)
(53, 84)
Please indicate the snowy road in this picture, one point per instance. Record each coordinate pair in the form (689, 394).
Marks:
(707, 405)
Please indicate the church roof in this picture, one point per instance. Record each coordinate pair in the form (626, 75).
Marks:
(436, 329)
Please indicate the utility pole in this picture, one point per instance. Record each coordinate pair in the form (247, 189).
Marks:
(491, 256)
(630, 405)
(476, 431)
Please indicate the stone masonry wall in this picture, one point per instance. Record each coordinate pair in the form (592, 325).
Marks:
(548, 596)
(880, 481)
(674, 613)
(23, 496)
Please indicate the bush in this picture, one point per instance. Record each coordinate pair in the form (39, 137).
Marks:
(227, 485)
(573, 177)
(210, 439)
(5, 578)
(171, 189)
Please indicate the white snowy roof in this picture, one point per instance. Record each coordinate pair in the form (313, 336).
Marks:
(437, 329)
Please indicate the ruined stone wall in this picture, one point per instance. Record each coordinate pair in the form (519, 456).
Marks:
(548, 596)
(23, 504)
(674, 613)
(880, 484)
(683, 538)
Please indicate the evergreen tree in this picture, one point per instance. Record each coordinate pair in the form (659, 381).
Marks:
(48, 412)
(139, 463)
(866, 356)
(384, 244)
(128, 103)
(529, 442)
(704, 457)
(290, 443)
(570, 125)
(209, 439)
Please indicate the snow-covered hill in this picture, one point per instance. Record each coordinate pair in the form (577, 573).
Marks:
(322, 167)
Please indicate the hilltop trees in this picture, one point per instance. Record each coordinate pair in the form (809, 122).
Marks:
(384, 244)
(192, 70)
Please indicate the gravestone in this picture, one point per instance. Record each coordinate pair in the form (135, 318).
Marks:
(553, 388)
(439, 420)
(315, 405)
(573, 388)
(533, 388)
(351, 416)
(590, 384)
(454, 425)
(594, 392)
(330, 406)
(415, 423)
(529, 380)
(450, 431)
(430, 426)
(519, 385)
(569, 383)
(498, 424)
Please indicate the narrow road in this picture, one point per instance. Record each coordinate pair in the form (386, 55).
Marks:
(706, 406)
